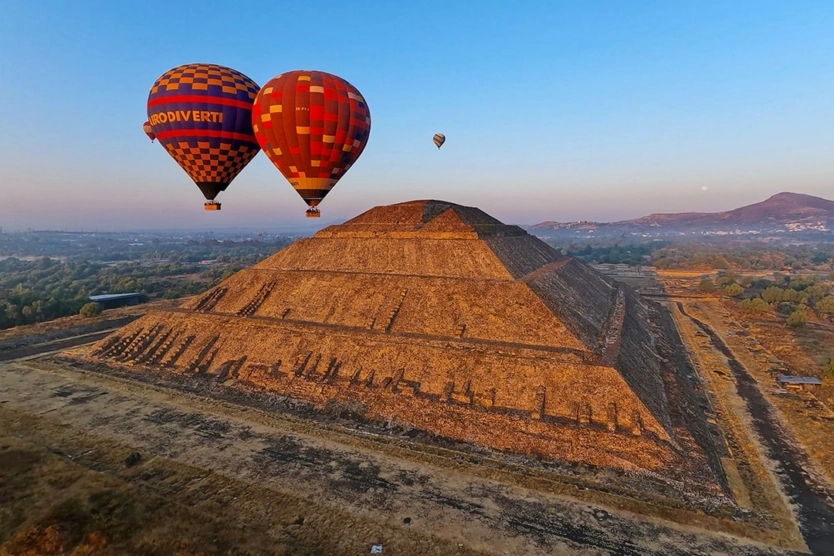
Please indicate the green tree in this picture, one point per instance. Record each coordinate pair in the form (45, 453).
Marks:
(12, 311)
(797, 319)
(90, 309)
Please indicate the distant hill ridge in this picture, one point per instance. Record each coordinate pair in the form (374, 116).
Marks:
(779, 210)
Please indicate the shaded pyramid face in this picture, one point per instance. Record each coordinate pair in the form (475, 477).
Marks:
(439, 317)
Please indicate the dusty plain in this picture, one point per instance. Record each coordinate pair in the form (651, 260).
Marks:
(222, 478)
(224, 472)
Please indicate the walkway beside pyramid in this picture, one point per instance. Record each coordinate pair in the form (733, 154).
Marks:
(441, 318)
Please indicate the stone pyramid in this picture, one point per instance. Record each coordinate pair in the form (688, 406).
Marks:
(441, 318)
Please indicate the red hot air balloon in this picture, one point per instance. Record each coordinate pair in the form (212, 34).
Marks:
(146, 127)
(313, 126)
(202, 115)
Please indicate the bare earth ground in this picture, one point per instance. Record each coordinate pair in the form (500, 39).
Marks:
(221, 479)
(764, 346)
(737, 359)
(750, 475)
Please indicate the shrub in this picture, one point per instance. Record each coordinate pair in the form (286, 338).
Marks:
(706, 285)
(786, 307)
(754, 305)
(726, 279)
(733, 290)
(797, 319)
(818, 291)
(825, 305)
(772, 294)
(90, 309)
(828, 370)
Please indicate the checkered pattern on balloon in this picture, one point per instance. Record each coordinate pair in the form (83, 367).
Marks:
(312, 126)
(201, 114)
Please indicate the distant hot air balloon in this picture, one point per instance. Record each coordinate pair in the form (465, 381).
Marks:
(146, 127)
(202, 115)
(439, 139)
(313, 126)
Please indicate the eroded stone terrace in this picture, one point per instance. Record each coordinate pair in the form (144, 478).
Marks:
(439, 317)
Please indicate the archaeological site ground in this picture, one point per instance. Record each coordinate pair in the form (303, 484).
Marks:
(422, 377)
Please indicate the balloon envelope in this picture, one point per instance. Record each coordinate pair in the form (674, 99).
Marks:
(202, 115)
(146, 127)
(439, 139)
(313, 126)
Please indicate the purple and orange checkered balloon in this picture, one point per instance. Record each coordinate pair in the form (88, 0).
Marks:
(202, 115)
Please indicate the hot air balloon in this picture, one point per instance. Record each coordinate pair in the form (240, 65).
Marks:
(202, 115)
(439, 139)
(146, 127)
(313, 126)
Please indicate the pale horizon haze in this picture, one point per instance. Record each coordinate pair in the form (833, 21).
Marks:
(553, 110)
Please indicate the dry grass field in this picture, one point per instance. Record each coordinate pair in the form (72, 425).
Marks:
(765, 348)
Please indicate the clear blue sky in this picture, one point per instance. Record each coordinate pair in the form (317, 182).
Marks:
(552, 109)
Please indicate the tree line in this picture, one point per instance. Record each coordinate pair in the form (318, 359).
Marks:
(794, 297)
(744, 256)
(702, 255)
(33, 291)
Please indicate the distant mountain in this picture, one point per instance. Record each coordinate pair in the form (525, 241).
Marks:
(781, 213)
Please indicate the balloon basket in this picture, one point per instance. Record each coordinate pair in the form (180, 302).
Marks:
(211, 206)
(313, 213)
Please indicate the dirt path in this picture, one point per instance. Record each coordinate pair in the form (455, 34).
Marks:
(54, 345)
(235, 468)
(813, 506)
